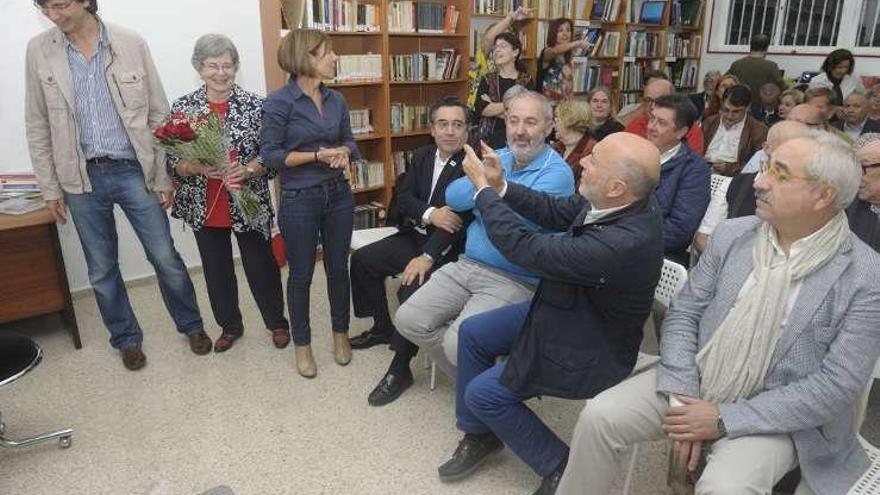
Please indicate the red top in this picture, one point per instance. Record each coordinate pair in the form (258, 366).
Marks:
(639, 125)
(216, 196)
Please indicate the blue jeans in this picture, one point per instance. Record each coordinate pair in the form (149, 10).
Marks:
(122, 182)
(326, 210)
(483, 403)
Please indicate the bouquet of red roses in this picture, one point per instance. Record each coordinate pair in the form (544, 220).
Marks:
(203, 139)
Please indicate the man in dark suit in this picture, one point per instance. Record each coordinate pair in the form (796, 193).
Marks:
(855, 122)
(581, 331)
(701, 99)
(864, 212)
(430, 235)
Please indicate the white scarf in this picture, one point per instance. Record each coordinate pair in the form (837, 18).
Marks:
(735, 360)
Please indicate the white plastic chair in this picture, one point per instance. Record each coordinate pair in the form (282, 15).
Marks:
(869, 483)
(716, 181)
(672, 278)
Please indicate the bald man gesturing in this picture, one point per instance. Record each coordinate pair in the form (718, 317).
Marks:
(581, 332)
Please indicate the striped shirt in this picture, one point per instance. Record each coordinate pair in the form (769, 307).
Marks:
(101, 131)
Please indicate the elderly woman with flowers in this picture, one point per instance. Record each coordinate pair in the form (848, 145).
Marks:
(203, 196)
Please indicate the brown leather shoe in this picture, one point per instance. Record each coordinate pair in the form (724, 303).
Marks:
(133, 358)
(225, 341)
(200, 343)
(305, 362)
(341, 348)
(280, 337)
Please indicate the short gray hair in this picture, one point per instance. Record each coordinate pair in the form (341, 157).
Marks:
(712, 73)
(213, 45)
(640, 184)
(546, 107)
(835, 163)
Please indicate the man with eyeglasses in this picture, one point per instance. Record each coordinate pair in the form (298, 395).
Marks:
(734, 135)
(864, 212)
(638, 125)
(92, 97)
(429, 235)
(765, 350)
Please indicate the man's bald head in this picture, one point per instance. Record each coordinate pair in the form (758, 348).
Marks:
(657, 88)
(783, 131)
(808, 115)
(625, 158)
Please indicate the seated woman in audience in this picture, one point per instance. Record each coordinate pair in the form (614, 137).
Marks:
(714, 105)
(554, 64)
(202, 200)
(307, 138)
(489, 105)
(574, 133)
(873, 95)
(789, 99)
(604, 121)
(836, 74)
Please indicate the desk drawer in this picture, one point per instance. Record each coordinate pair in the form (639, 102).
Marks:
(29, 274)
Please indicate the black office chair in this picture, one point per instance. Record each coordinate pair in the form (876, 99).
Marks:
(19, 355)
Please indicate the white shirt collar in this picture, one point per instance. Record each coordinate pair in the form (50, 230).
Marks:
(595, 215)
(797, 246)
(665, 157)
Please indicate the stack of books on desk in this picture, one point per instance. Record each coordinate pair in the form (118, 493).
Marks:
(19, 194)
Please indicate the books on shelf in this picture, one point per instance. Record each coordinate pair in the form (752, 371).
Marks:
(369, 216)
(406, 117)
(609, 45)
(686, 13)
(358, 67)
(425, 66)
(360, 121)
(680, 46)
(634, 73)
(587, 75)
(642, 44)
(554, 9)
(332, 15)
(497, 7)
(364, 174)
(407, 16)
(19, 183)
(606, 10)
(683, 73)
(400, 161)
(583, 31)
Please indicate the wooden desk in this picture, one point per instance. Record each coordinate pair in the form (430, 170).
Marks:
(34, 281)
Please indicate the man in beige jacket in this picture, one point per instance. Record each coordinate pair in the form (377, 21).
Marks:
(93, 95)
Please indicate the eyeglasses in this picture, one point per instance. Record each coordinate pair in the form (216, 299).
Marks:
(869, 166)
(780, 175)
(457, 125)
(219, 67)
(55, 7)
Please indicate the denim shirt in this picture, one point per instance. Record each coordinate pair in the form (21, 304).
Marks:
(291, 122)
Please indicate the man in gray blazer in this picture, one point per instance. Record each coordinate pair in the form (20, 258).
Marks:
(766, 349)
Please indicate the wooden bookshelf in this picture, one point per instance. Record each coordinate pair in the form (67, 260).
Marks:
(378, 95)
(581, 10)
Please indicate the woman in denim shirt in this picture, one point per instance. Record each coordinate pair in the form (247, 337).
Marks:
(307, 138)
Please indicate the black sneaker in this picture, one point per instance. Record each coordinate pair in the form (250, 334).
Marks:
(551, 481)
(370, 338)
(472, 451)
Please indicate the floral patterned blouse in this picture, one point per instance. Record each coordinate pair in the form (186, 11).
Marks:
(243, 120)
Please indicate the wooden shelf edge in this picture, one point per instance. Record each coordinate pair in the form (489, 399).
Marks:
(369, 136)
(415, 132)
(362, 190)
(418, 34)
(426, 82)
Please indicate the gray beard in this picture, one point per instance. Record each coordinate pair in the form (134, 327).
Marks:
(522, 159)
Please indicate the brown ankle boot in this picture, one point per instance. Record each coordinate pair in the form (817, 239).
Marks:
(341, 348)
(305, 362)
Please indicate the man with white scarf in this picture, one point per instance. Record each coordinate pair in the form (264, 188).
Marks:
(765, 350)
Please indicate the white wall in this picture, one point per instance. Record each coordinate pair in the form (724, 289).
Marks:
(170, 28)
(793, 65)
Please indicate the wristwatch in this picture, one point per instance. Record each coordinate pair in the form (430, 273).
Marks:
(722, 430)
(428, 257)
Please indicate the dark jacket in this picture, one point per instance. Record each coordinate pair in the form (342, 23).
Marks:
(870, 126)
(741, 196)
(864, 223)
(584, 326)
(753, 136)
(610, 126)
(683, 196)
(414, 197)
(699, 100)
